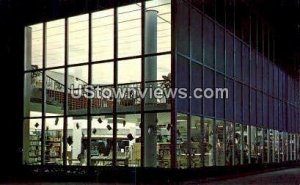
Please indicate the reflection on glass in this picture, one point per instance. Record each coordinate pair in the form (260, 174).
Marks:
(196, 143)
(220, 147)
(78, 39)
(103, 35)
(229, 143)
(55, 89)
(208, 143)
(32, 144)
(182, 155)
(77, 141)
(54, 141)
(55, 43)
(101, 140)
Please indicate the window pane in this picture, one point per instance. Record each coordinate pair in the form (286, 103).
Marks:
(196, 35)
(129, 140)
(55, 89)
(196, 142)
(55, 43)
(220, 143)
(238, 144)
(229, 143)
(208, 142)
(163, 8)
(157, 144)
(77, 79)
(103, 80)
(78, 39)
(101, 140)
(129, 71)
(246, 144)
(53, 141)
(76, 141)
(208, 33)
(34, 47)
(103, 35)
(129, 30)
(33, 90)
(182, 141)
(32, 145)
(182, 31)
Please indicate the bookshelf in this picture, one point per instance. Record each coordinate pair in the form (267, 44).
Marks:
(53, 146)
(35, 147)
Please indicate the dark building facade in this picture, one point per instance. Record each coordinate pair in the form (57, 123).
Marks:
(159, 44)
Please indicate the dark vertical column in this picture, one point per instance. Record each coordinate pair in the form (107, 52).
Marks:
(173, 82)
(65, 127)
(143, 82)
(215, 84)
(89, 126)
(234, 81)
(190, 89)
(250, 104)
(202, 84)
(114, 143)
(225, 79)
(44, 91)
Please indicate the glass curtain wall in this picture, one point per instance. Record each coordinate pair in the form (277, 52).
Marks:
(129, 47)
(68, 123)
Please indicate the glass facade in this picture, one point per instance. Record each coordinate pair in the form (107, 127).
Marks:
(146, 45)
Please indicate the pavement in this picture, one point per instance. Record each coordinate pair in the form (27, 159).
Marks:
(281, 177)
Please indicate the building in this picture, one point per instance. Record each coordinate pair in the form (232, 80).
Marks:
(157, 44)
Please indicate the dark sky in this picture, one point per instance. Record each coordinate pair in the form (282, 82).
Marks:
(284, 16)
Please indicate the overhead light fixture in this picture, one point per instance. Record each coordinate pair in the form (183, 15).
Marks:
(108, 127)
(124, 123)
(100, 120)
(37, 125)
(94, 131)
(56, 121)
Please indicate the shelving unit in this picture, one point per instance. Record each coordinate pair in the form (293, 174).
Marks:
(35, 146)
(53, 146)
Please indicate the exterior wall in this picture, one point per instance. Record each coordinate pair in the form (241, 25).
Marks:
(260, 93)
